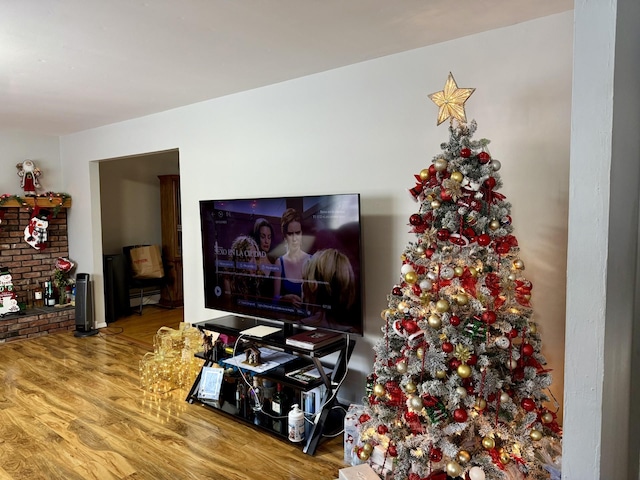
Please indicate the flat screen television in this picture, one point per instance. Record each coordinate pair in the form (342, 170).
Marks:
(296, 260)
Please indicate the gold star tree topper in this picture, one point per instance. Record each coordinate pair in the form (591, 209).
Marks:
(451, 101)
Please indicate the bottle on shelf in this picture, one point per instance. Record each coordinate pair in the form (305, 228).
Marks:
(280, 405)
(280, 401)
(38, 297)
(49, 294)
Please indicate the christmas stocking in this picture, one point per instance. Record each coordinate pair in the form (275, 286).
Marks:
(35, 234)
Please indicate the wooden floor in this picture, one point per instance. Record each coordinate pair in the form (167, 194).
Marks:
(71, 408)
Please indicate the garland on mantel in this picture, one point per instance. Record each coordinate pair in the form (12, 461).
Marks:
(56, 200)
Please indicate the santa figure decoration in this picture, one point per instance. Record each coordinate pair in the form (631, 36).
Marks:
(35, 234)
(29, 173)
(8, 301)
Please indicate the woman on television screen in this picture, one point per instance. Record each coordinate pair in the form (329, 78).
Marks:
(288, 279)
(263, 235)
(241, 281)
(329, 290)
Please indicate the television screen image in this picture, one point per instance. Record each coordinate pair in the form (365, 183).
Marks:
(290, 259)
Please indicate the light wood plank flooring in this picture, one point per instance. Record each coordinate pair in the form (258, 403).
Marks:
(71, 408)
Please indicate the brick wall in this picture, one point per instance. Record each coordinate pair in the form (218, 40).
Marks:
(30, 268)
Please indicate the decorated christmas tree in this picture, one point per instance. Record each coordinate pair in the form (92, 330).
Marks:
(459, 384)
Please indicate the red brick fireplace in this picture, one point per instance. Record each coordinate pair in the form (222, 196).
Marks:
(30, 268)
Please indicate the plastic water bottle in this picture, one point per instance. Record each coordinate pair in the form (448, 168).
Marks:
(296, 424)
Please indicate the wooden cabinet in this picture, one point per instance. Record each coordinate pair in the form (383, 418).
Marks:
(172, 294)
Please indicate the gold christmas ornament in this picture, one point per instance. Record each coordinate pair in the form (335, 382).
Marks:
(420, 353)
(494, 224)
(464, 371)
(464, 456)
(457, 176)
(401, 367)
(488, 443)
(536, 435)
(480, 404)
(458, 271)
(440, 164)
(367, 447)
(362, 455)
(533, 328)
(424, 174)
(454, 469)
(504, 397)
(462, 299)
(473, 272)
(435, 204)
(518, 264)
(504, 458)
(415, 403)
(547, 418)
(461, 391)
(379, 390)
(451, 102)
(410, 387)
(411, 277)
(434, 321)
(442, 305)
(440, 374)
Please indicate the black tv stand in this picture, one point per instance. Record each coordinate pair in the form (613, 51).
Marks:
(327, 420)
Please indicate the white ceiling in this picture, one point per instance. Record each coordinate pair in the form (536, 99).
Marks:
(70, 65)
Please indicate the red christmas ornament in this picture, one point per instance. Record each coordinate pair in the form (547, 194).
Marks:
(443, 234)
(432, 171)
(465, 152)
(528, 404)
(473, 359)
(484, 157)
(383, 429)
(392, 451)
(527, 350)
(483, 239)
(470, 234)
(503, 248)
(513, 333)
(447, 347)
(410, 326)
(490, 183)
(364, 418)
(489, 317)
(415, 219)
(454, 363)
(429, 252)
(460, 415)
(416, 289)
(454, 320)
(397, 291)
(445, 196)
(435, 455)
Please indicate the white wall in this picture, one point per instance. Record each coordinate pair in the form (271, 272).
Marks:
(368, 128)
(44, 150)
